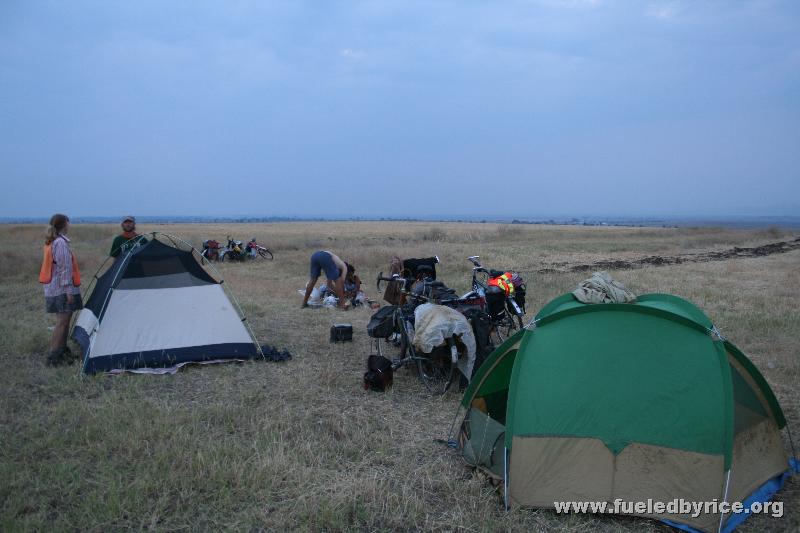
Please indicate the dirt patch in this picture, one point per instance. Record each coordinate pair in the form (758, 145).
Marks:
(657, 260)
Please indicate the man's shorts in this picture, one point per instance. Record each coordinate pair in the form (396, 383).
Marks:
(322, 261)
(58, 304)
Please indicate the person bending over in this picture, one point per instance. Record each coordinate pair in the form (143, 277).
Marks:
(335, 270)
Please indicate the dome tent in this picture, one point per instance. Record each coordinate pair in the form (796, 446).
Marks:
(157, 306)
(630, 402)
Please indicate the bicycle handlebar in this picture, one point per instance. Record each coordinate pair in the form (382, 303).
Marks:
(395, 277)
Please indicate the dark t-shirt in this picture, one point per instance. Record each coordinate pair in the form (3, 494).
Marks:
(122, 244)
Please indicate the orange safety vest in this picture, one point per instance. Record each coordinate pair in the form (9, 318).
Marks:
(504, 282)
(46, 272)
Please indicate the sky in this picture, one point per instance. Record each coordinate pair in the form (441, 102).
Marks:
(408, 108)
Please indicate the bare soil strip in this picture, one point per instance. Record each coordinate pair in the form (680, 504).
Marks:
(657, 260)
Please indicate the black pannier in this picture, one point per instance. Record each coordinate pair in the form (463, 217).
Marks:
(519, 297)
(379, 374)
(380, 324)
(495, 300)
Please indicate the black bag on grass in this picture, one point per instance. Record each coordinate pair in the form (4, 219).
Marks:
(379, 374)
(380, 324)
(341, 332)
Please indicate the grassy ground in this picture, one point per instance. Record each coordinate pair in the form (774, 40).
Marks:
(300, 445)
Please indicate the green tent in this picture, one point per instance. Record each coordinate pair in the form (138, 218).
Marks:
(625, 402)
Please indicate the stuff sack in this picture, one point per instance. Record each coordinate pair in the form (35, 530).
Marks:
(381, 324)
(379, 374)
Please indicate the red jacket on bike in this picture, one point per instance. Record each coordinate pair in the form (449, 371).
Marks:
(504, 282)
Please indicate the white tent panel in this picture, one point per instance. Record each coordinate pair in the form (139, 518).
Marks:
(156, 319)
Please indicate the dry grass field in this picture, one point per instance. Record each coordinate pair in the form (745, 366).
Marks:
(300, 444)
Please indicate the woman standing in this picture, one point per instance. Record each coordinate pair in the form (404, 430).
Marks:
(62, 280)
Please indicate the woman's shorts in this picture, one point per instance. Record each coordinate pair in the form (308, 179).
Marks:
(322, 261)
(58, 304)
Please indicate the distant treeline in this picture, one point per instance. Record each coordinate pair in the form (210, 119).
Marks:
(665, 222)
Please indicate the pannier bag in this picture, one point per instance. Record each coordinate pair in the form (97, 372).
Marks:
(495, 300)
(379, 374)
(380, 324)
(341, 332)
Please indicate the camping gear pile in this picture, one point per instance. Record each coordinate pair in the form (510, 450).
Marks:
(435, 322)
(625, 401)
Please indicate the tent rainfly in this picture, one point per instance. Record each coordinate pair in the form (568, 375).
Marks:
(627, 403)
(157, 306)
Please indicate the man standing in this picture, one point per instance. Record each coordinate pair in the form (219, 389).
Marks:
(335, 270)
(127, 240)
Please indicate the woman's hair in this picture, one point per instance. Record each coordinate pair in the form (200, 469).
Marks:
(350, 268)
(57, 224)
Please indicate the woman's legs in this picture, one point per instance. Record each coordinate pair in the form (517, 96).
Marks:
(60, 331)
(58, 341)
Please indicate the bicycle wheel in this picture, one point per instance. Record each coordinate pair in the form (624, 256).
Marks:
(504, 327)
(435, 369)
(266, 254)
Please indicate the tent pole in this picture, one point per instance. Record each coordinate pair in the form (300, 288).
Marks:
(450, 434)
(505, 478)
(724, 499)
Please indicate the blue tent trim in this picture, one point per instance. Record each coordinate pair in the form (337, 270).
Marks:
(170, 356)
(762, 495)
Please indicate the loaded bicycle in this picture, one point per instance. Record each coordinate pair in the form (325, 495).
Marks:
(235, 250)
(504, 294)
(256, 250)
(435, 369)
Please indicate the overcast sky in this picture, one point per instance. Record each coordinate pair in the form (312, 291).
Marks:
(422, 108)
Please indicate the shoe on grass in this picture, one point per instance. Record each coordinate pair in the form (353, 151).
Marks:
(56, 357)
